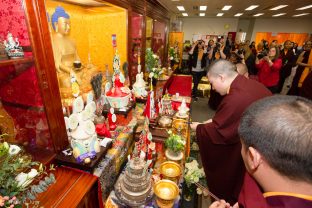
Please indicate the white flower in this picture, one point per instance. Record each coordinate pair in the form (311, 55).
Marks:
(155, 56)
(33, 173)
(21, 179)
(14, 149)
(151, 75)
(171, 58)
(199, 191)
(196, 179)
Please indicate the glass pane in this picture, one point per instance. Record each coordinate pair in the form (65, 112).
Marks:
(136, 43)
(22, 113)
(149, 32)
(159, 39)
(81, 34)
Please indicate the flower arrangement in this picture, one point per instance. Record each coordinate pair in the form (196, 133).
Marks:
(21, 179)
(151, 60)
(172, 53)
(155, 73)
(174, 142)
(193, 173)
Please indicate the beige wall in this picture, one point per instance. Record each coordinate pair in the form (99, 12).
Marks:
(199, 25)
(208, 26)
(294, 25)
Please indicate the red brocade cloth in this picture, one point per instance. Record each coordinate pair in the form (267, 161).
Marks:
(181, 84)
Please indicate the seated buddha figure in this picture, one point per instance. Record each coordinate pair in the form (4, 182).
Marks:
(67, 61)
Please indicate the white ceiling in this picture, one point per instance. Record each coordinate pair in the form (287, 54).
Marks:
(239, 6)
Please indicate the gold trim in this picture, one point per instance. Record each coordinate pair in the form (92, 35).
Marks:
(303, 196)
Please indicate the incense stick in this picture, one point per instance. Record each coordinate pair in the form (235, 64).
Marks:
(206, 189)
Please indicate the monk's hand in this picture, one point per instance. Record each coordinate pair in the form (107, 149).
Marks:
(220, 204)
(194, 125)
(208, 121)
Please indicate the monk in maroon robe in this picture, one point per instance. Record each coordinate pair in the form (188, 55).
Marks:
(276, 148)
(218, 139)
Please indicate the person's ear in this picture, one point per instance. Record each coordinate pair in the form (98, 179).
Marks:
(254, 159)
(222, 78)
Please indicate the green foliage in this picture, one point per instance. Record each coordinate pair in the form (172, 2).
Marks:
(151, 60)
(18, 173)
(174, 142)
(172, 53)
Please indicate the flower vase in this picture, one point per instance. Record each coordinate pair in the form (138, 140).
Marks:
(188, 192)
(172, 62)
(154, 82)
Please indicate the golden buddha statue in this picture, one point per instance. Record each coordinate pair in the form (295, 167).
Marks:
(67, 61)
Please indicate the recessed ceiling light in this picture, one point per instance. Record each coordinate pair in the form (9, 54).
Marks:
(226, 7)
(181, 8)
(220, 14)
(202, 14)
(238, 14)
(184, 14)
(298, 15)
(202, 8)
(306, 7)
(277, 15)
(279, 7)
(252, 7)
(259, 14)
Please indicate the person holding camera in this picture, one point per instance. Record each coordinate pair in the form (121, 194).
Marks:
(198, 55)
(269, 66)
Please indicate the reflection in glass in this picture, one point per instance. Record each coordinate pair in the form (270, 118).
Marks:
(22, 111)
(136, 44)
(159, 39)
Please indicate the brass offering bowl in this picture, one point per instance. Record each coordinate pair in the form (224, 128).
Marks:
(171, 171)
(179, 127)
(165, 121)
(166, 192)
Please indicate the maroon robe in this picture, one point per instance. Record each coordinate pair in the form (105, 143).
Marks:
(251, 195)
(219, 143)
(288, 201)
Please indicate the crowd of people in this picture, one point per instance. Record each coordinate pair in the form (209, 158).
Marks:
(282, 68)
(256, 149)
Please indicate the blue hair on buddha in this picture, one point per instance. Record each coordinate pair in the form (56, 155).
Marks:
(59, 12)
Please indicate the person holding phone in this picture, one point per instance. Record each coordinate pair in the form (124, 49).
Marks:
(198, 55)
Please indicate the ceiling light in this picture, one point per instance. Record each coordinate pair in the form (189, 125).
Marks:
(226, 7)
(279, 7)
(306, 7)
(202, 8)
(184, 14)
(298, 15)
(252, 7)
(202, 14)
(220, 14)
(259, 14)
(181, 8)
(238, 14)
(277, 15)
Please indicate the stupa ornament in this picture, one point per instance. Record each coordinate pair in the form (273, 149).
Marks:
(81, 128)
(118, 96)
(183, 109)
(12, 47)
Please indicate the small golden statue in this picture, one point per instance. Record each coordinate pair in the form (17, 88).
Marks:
(70, 71)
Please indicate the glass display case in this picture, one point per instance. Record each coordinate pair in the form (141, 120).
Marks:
(159, 39)
(22, 108)
(135, 51)
(149, 32)
(84, 35)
